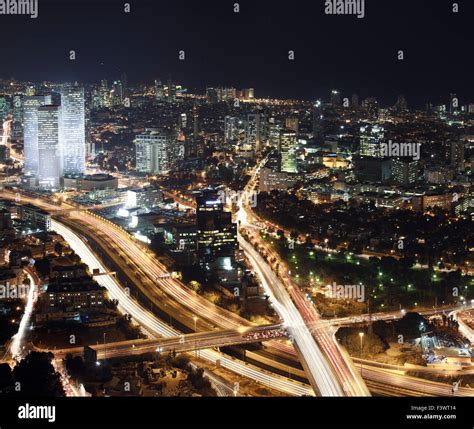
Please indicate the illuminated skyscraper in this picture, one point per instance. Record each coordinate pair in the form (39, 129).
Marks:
(216, 236)
(31, 104)
(370, 141)
(49, 160)
(4, 109)
(17, 128)
(234, 127)
(318, 123)
(457, 155)
(104, 94)
(292, 124)
(335, 98)
(30, 90)
(401, 105)
(117, 93)
(171, 91)
(255, 132)
(288, 142)
(405, 171)
(153, 151)
(159, 90)
(124, 80)
(72, 130)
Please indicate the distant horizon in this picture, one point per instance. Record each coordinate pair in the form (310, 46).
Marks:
(441, 98)
(251, 48)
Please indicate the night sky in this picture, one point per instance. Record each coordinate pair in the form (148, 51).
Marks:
(250, 49)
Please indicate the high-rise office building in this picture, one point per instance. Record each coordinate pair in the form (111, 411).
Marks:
(227, 94)
(88, 133)
(159, 90)
(153, 151)
(49, 159)
(171, 91)
(183, 121)
(371, 138)
(405, 171)
(104, 94)
(4, 109)
(457, 155)
(96, 99)
(31, 104)
(401, 105)
(453, 103)
(30, 91)
(318, 123)
(249, 93)
(211, 95)
(371, 106)
(124, 80)
(274, 129)
(146, 197)
(255, 132)
(216, 234)
(72, 130)
(17, 128)
(292, 124)
(117, 94)
(335, 97)
(234, 127)
(287, 149)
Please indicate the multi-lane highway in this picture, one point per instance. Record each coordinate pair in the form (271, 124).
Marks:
(181, 343)
(158, 328)
(328, 365)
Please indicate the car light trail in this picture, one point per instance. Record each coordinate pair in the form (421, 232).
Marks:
(150, 322)
(16, 347)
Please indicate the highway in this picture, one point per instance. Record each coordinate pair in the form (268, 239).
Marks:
(166, 293)
(151, 323)
(394, 383)
(464, 327)
(135, 259)
(318, 371)
(181, 343)
(18, 340)
(146, 319)
(327, 364)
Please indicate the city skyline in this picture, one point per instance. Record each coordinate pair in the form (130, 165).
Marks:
(326, 57)
(222, 199)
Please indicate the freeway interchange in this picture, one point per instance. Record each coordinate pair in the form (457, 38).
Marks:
(327, 366)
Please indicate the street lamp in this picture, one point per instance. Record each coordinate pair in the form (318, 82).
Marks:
(361, 336)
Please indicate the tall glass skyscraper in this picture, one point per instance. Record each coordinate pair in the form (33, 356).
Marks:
(49, 165)
(371, 138)
(72, 130)
(288, 143)
(30, 130)
(154, 151)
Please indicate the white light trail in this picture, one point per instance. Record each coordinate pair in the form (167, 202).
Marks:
(150, 322)
(16, 347)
